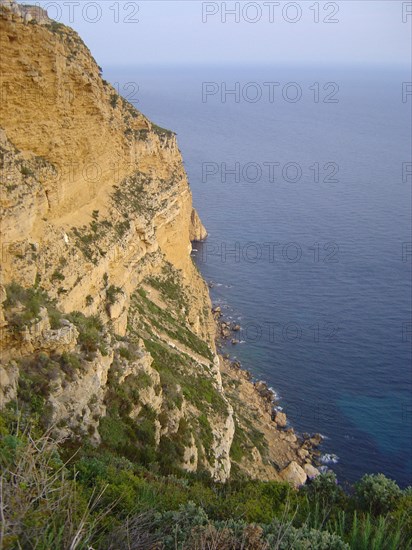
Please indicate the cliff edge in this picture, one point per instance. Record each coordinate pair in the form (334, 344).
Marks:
(107, 326)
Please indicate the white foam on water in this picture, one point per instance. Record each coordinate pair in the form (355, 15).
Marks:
(329, 458)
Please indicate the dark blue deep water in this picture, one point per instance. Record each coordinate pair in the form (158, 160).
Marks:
(312, 255)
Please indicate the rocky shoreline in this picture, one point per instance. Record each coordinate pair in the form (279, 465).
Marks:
(305, 445)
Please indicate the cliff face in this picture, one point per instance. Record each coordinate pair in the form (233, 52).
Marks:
(97, 218)
(83, 149)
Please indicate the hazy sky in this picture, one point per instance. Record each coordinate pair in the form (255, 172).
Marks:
(196, 32)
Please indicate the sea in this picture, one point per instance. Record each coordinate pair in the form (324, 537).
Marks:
(302, 176)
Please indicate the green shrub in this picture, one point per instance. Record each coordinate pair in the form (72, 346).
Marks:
(57, 276)
(26, 171)
(161, 131)
(70, 363)
(377, 493)
(122, 227)
(237, 449)
(286, 537)
(56, 27)
(91, 336)
(32, 299)
(113, 431)
(324, 489)
(111, 294)
(125, 353)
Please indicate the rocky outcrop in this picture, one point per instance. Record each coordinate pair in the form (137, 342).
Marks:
(9, 376)
(27, 13)
(280, 419)
(197, 230)
(76, 406)
(264, 449)
(223, 432)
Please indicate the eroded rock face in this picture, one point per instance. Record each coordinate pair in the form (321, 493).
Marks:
(223, 432)
(9, 376)
(197, 230)
(27, 13)
(107, 160)
(191, 456)
(78, 405)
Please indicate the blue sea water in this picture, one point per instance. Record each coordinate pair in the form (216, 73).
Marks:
(313, 259)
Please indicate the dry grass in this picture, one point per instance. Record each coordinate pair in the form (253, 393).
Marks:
(40, 506)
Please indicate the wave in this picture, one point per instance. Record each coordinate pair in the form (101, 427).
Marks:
(329, 458)
(276, 395)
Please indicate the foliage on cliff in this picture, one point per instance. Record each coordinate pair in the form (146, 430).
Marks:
(53, 497)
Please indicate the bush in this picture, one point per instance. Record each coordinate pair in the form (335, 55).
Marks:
(126, 353)
(57, 276)
(325, 489)
(91, 337)
(377, 493)
(285, 537)
(111, 294)
(70, 363)
(32, 300)
(26, 171)
(113, 432)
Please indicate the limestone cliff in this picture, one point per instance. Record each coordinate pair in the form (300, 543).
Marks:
(97, 218)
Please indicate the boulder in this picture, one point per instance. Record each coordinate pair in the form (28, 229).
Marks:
(311, 471)
(289, 436)
(294, 474)
(225, 332)
(264, 391)
(280, 419)
(303, 453)
(316, 440)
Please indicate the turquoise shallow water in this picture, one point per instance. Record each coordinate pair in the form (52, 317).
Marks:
(316, 271)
